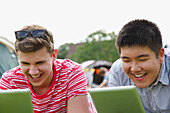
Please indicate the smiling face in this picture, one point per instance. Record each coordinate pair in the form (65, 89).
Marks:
(141, 64)
(37, 67)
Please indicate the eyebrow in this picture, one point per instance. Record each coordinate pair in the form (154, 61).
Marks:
(23, 62)
(41, 61)
(143, 55)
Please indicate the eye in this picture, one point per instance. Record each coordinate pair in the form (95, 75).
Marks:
(41, 62)
(24, 63)
(125, 60)
(142, 60)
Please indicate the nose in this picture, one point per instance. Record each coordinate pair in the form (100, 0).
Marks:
(135, 67)
(33, 70)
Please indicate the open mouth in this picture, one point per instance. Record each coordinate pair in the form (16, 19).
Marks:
(140, 76)
(34, 77)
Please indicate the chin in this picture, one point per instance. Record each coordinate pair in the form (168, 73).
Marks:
(141, 86)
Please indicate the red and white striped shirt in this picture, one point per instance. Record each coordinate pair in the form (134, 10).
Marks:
(68, 82)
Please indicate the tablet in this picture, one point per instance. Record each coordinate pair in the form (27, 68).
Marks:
(16, 101)
(121, 99)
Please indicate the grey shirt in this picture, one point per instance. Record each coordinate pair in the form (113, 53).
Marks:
(155, 98)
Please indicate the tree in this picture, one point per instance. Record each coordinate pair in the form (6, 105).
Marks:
(63, 50)
(98, 46)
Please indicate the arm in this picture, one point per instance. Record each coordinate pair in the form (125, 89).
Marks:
(103, 84)
(79, 104)
(113, 78)
(115, 74)
(77, 98)
(105, 81)
(13, 79)
(5, 82)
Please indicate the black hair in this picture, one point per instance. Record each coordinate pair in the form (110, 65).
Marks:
(140, 32)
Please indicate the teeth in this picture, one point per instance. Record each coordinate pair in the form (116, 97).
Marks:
(139, 75)
(35, 76)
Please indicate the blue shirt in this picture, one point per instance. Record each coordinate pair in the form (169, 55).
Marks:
(155, 98)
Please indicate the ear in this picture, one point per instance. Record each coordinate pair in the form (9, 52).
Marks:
(55, 53)
(161, 55)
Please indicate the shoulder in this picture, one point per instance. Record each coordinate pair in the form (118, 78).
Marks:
(70, 64)
(70, 74)
(13, 73)
(13, 78)
(67, 66)
(167, 53)
(67, 63)
(117, 65)
(117, 62)
(167, 58)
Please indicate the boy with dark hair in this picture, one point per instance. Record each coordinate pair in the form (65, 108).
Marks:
(144, 63)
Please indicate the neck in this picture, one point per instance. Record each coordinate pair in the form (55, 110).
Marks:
(40, 91)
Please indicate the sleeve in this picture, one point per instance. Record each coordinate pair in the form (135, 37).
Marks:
(77, 84)
(5, 82)
(114, 79)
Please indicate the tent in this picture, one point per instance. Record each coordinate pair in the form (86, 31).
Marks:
(91, 68)
(96, 64)
(8, 57)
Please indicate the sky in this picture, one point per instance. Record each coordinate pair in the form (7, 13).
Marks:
(71, 21)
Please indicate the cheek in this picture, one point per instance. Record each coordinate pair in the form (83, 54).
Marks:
(125, 67)
(47, 67)
(155, 67)
(153, 64)
(24, 69)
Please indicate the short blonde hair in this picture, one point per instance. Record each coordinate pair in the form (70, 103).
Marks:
(33, 44)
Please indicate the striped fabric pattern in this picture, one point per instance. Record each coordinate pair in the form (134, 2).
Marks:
(68, 82)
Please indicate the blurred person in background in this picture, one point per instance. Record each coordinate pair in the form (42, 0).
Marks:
(104, 73)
